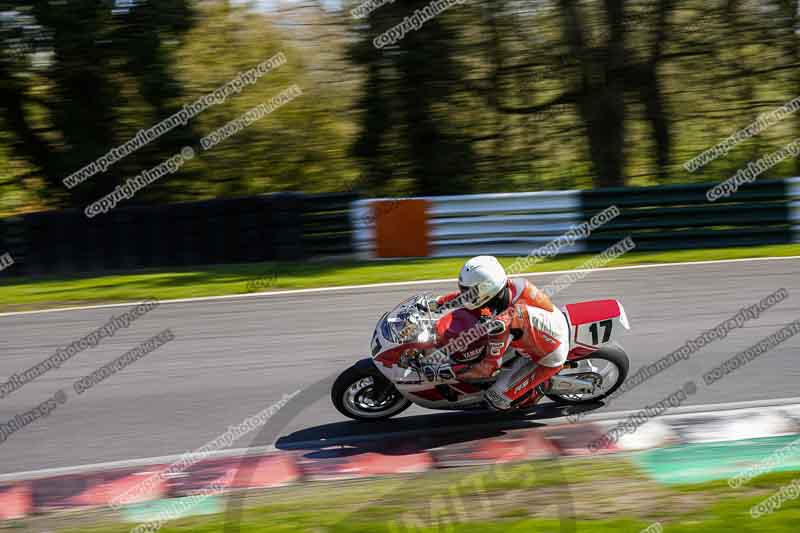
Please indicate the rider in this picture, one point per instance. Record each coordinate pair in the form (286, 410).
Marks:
(518, 317)
(484, 288)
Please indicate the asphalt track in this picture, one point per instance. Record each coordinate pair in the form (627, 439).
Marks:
(233, 357)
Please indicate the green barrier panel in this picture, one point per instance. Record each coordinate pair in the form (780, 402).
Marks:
(698, 463)
(174, 508)
(680, 216)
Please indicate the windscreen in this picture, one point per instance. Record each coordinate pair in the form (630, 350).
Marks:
(409, 322)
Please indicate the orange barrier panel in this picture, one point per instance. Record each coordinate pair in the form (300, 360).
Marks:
(401, 228)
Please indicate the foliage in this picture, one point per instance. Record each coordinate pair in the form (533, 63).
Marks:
(496, 95)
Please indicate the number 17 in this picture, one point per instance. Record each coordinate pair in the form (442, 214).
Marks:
(606, 331)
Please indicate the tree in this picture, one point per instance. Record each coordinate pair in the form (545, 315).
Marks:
(67, 69)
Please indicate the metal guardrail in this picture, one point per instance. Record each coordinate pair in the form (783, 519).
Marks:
(500, 224)
(135, 237)
(283, 226)
(505, 224)
(658, 218)
(294, 226)
(326, 224)
(681, 217)
(793, 192)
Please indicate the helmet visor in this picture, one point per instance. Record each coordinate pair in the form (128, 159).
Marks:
(469, 296)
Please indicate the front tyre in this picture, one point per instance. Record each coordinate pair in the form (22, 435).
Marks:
(362, 393)
(607, 367)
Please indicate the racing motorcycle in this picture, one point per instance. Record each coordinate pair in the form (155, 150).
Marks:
(393, 379)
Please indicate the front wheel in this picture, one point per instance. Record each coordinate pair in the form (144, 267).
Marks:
(362, 393)
(607, 368)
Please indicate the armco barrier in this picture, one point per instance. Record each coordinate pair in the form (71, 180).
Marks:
(326, 226)
(280, 226)
(657, 218)
(680, 216)
(500, 224)
(291, 226)
(794, 207)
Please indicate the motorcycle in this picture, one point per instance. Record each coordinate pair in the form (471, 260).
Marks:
(392, 380)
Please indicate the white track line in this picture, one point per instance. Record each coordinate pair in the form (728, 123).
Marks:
(699, 410)
(390, 284)
(715, 409)
(127, 463)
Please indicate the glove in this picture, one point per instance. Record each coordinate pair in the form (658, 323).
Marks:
(434, 373)
(429, 304)
(495, 326)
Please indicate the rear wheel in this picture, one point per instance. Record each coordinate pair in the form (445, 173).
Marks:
(607, 368)
(362, 393)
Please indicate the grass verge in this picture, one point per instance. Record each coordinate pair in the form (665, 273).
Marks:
(51, 291)
(600, 494)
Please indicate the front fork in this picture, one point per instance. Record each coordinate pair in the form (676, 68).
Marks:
(381, 388)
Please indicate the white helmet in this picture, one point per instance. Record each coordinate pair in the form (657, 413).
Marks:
(481, 279)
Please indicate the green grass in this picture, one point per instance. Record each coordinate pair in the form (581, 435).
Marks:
(54, 291)
(607, 495)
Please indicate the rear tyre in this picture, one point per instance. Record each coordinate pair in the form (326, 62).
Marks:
(362, 393)
(617, 365)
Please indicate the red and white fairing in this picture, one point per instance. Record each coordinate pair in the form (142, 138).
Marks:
(399, 336)
(405, 332)
(593, 324)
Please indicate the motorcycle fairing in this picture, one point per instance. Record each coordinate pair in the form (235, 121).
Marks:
(593, 324)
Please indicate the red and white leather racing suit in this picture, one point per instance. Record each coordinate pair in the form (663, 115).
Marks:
(536, 332)
(542, 347)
